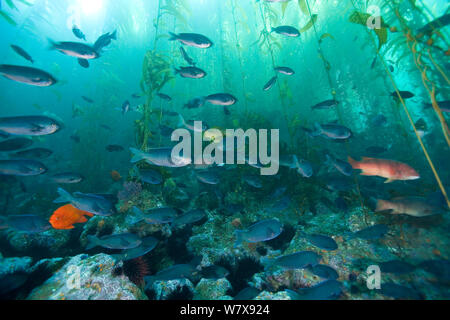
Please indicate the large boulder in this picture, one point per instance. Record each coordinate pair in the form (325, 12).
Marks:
(88, 278)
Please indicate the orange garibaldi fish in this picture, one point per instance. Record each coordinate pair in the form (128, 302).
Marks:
(389, 169)
(65, 217)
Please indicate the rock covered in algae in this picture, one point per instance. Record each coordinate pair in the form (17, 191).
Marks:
(88, 278)
(179, 289)
(212, 289)
(14, 265)
(53, 241)
(265, 295)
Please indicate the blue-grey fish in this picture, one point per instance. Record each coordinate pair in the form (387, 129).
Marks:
(161, 215)
(89, 100)
(248, 293)
(27, 75)
(116, 241)
(285, 70)
(214, 272)
(195, 103)
(164, 96)
(270, 84)
(147, 245)
(328, 104)
(78, 33)
(253, 181)
(278, 192)
(178, 271)
(191, 72)
(443, 105)
(261, 231)
(4, 135)
(297, 260)
(371, 233)
(208, 177)
(404, 94)
(15, 144)
(439, 267)
(287, 31)
(396, 267)
(221, 99)
(280, 205)
(66, 178)
(186, 57)
(160, 157)
(192, 216)
(434, 25)
(331, 131)
(251, 163)
(190, 125)
(75, 49)
(91, 203)
(151, 176)
(35, 153)
(126, 107)
(342, 166)
(326, 290)
(84, 63)
(114, 148)
(321, 241)
(105, 40)
(324, 271)
(192, 40)
(290, 161)
(304, 167)
(21, 168)
(25, 223)
(21, 52)
(397, 291)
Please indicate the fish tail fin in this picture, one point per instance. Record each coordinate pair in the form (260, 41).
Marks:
(348, 236)
(383, 206)
(292, 294)
(173, 36)
(92, 242)
(52, 44)
(138, 155)
(181, 122)
(318, 128)
(138, 216)
(114, 35)
(239, 238)
(64, 196)
(353, 162)
(177, 71)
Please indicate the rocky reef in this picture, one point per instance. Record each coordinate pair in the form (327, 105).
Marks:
(88, 278)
